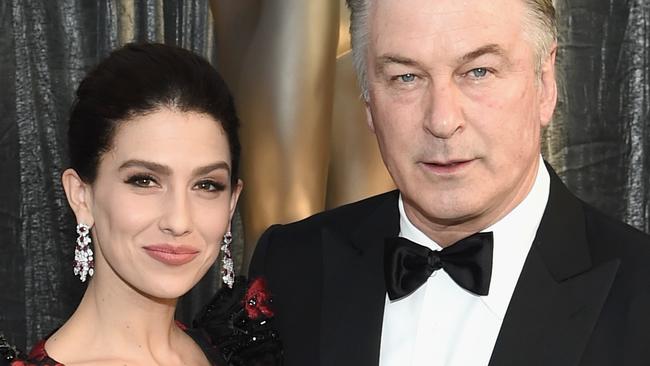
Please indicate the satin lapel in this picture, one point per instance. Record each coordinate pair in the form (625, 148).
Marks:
(353, 288)
(559, 295)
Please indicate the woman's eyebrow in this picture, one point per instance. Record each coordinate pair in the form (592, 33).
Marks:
(208, 168)
(156, 167)
(166, 170)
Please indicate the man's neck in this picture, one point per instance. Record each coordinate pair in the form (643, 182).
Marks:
(446, 232)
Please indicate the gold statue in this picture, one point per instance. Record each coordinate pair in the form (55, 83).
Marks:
(306, 146)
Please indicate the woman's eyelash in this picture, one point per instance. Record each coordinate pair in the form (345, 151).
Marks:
(141, 180)
(146, 180)
(210, 186)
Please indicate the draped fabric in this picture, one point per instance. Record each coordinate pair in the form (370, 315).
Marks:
(46, 47)
(599, 140)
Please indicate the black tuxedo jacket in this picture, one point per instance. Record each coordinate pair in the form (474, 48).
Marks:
(583, 297)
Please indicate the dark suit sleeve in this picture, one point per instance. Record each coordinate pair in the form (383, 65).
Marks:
(257, 266)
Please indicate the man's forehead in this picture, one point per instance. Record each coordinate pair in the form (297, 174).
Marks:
(434, 18)
(454, 29)
(442, 5)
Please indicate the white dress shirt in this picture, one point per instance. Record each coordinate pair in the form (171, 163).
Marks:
(441, 324)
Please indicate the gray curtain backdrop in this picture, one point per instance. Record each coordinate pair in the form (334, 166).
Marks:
(46, 47)
(598, 142)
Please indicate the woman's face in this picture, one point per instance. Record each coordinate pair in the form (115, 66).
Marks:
(162, 202)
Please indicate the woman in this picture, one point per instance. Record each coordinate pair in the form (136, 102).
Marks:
(153, 185)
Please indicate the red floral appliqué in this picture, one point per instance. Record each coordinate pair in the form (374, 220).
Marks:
(257, 300)
(38, 352)
(37, 357)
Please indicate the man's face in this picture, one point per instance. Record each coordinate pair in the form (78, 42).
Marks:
(457, 107)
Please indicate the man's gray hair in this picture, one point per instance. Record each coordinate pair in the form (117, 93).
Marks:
(540, 20)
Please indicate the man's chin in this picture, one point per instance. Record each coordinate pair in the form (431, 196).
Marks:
(449, 211)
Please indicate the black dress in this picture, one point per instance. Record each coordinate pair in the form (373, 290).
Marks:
(234, 329)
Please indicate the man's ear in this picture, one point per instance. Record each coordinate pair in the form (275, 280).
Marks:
(548, 92)
(369, 121)
(79, 196)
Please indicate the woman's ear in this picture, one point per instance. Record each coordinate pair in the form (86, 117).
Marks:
(234, 196)
(79, 196)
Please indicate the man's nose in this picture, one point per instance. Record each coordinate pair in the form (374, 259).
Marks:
(444, 117)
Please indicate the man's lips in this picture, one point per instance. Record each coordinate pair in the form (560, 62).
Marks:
(447, 167)
(174, 255)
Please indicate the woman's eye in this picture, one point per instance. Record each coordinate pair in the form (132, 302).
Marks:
(478, 73)
(406, 78)
(143, 181)
(210, 186)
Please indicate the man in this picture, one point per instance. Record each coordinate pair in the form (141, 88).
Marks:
(457, 93)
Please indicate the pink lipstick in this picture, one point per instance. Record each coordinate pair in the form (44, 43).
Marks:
(173, 255)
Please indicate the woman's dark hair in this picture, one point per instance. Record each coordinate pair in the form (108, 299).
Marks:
(138, 79)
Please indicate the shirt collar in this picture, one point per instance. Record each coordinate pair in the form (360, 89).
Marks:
(513, 237)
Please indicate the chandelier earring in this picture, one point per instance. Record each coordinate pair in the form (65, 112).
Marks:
(84, 264)
(227, 265)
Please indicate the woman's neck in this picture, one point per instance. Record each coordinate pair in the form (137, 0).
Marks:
(115, 320)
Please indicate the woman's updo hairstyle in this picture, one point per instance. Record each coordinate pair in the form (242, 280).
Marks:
(138, 79)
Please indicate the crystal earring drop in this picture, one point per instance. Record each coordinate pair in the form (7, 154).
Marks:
(84, 264)
(227, 265)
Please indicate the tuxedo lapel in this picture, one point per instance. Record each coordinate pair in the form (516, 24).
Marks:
(559, 294)
(353, 288)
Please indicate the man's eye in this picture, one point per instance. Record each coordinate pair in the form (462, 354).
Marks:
(406, 78)
(141, 181)
(478, 73)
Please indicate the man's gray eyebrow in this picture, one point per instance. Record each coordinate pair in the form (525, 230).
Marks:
(493, 49)
(387, 59)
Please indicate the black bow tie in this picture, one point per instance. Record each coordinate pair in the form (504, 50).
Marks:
(408, 265)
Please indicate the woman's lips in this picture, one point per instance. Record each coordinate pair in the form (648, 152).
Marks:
(170, 254)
